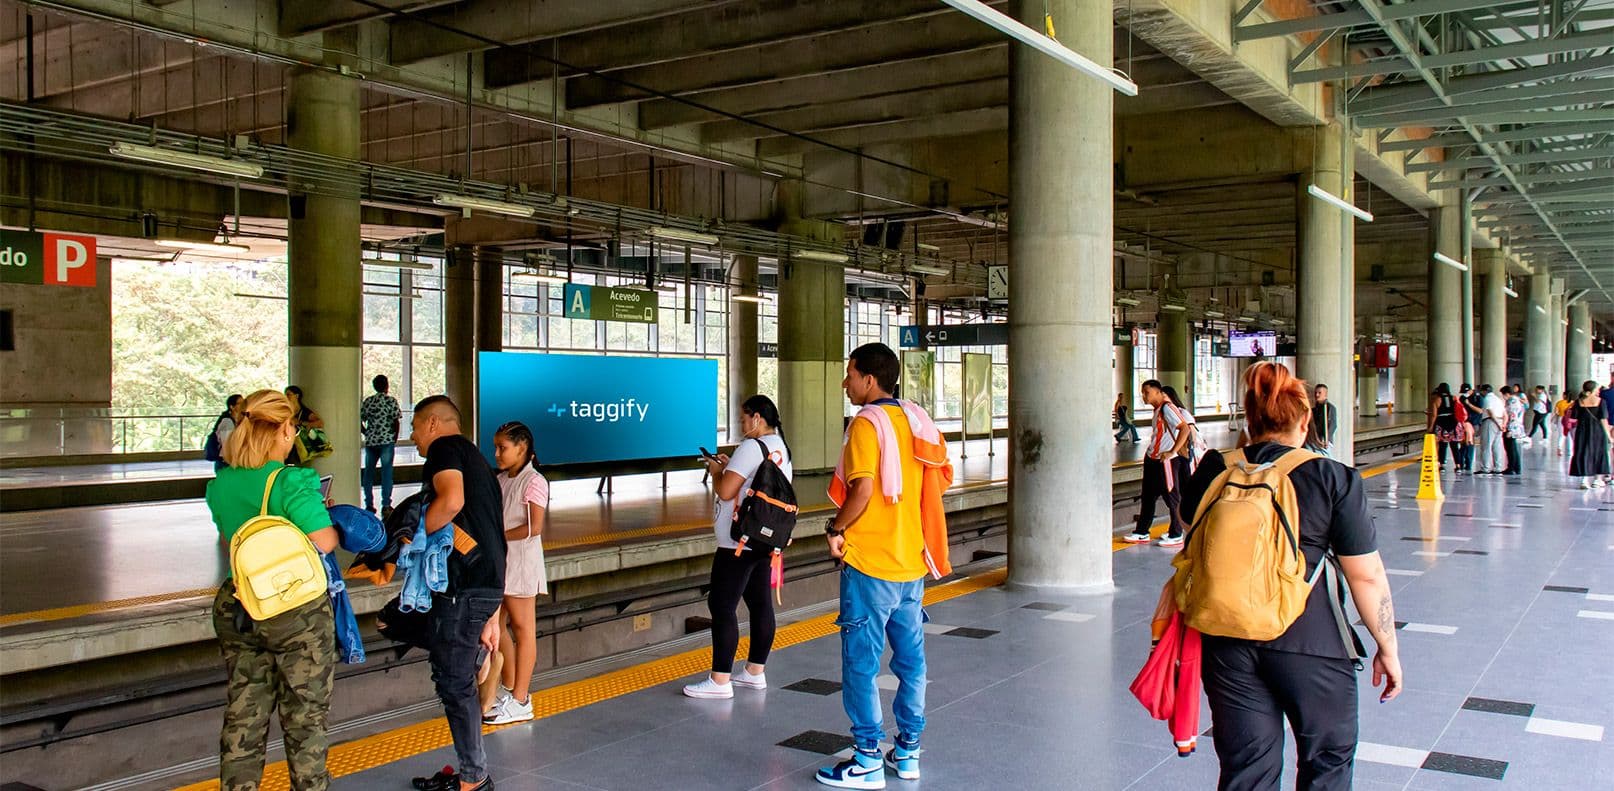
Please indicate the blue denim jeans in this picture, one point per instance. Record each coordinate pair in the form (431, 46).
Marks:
(374, 456)
(872, 612)
(456, 628)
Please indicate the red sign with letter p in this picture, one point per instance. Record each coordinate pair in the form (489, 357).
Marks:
(69, 260)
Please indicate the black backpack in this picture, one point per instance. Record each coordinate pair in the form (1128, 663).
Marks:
(767, 516)
(211, 450)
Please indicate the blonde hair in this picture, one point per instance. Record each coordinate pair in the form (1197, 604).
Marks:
(252, 444)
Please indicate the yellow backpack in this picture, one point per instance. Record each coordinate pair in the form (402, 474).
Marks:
(276, 567)
(1241, 572)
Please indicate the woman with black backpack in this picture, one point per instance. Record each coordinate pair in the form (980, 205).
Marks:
(740, 572)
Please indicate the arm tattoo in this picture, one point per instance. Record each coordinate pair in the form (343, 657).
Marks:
(1386, 624)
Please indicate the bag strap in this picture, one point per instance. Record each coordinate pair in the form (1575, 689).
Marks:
(267, 489)
(1292, 458)
(1328, 570)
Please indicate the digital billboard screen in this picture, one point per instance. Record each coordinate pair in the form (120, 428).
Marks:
(1252, 344)
(592, 408)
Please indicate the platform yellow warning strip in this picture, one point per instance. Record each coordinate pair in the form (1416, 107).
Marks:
(94, 608)
(395, 745)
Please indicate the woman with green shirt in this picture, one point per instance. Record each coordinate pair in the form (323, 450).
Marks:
(289, 660)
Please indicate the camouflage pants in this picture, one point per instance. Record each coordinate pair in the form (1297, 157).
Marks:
(289, 661)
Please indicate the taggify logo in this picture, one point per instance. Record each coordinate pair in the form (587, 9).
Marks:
(601, 411)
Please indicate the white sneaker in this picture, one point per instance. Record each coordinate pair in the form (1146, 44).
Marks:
(1135, 537)
(743, 678)
(707, 689)
(1172, 541)
(1585, 484)
(1598, 483)
(509, 710)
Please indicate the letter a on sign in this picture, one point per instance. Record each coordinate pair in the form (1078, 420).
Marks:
(577, 301)
(69, 260)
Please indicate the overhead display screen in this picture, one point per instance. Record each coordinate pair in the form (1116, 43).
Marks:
(588, 408)
(1252, 344)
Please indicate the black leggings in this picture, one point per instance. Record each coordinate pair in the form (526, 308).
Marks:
(735, 578)
(1252, 690)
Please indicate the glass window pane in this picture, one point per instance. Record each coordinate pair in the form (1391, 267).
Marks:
(430, 372)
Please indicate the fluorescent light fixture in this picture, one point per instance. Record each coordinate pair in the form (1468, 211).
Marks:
(680, 235)
(820, 255)
(927, 247)
(1127, 302)
(1510, 292)
(535, 275)
(415, 265)
(1540, 309)
(185, 159)
(1037, 41)
(1214, 314)
(1339, 203)
(755, 298)
(928, 269)
(667, 288)
(1245, 318)
(484, 204)
(203, 247)
(1451, 262)
(394, 294)
(1565, 322)
(1579, 331)
(1172, 308)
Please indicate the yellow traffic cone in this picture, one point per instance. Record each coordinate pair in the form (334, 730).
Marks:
(1429, 472)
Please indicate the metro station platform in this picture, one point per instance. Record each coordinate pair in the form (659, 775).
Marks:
(1505, 590)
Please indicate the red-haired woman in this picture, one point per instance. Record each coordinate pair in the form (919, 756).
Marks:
(1306, 673)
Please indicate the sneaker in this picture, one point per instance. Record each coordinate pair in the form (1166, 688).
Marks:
(862, 770)
(386, 512)
(508, 710)
(1135, 537)
(1172, 541)
(445, 780)
(743, 678)
(707, 689)
(1598, 483)
(904, 762)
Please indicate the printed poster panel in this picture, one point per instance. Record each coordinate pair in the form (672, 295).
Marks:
(919, 378)
(977, 394)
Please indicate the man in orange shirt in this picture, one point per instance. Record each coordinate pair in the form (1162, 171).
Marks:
(881, 540)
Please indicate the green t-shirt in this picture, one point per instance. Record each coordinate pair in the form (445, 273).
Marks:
(236, 495)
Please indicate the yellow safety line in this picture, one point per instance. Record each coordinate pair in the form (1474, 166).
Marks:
(395, 745)
(80, 610)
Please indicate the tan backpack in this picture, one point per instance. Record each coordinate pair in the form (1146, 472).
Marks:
(1241, 572)
(276, 567)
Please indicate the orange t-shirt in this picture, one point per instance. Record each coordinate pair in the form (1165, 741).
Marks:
(887, 541)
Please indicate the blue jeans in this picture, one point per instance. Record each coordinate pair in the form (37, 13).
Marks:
(456, 629)
(374, 454)
(872, 612)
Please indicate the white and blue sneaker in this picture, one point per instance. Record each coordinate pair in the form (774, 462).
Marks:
(862, 770)
(903, 761)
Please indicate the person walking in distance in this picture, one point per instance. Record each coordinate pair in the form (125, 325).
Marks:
(1516, 410)
(741, 572)
(1165, 465)
(1324, 423)
(287, 661)
(1540, 409)
(1588, 456)
(1127, 429)
(379, 420)
(461, 495)
(1306, 674)
(890, 531)
(1493, 424)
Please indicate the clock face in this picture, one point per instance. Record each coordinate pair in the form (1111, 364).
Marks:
(997, 282)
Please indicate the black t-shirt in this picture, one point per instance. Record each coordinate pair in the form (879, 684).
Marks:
(1333, 516)
(482, 517)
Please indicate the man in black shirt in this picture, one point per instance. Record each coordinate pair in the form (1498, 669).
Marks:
(461, 493)
(1324, 422)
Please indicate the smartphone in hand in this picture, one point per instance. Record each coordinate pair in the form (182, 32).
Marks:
(707, 455)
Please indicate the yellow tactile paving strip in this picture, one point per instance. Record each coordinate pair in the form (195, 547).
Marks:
(81, 610)
(395, 745)
(392, 746)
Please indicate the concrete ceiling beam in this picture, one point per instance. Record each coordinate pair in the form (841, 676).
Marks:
(705, 31)
(415, 40)
(968, 122)
(867, 112)
(823, 54)
(301, 17)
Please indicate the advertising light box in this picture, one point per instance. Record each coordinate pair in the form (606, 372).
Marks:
(592, 409)
(1252, 344)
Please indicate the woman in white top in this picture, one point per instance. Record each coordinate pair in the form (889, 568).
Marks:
(741, 574)
(526, 498)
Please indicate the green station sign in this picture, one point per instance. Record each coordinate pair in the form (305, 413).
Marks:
(604, 303)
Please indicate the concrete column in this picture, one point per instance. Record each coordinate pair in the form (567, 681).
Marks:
(1174, 344)
(1578, 347)
(1367, 391)
(812, 361)
(742, 353)
(489, 326)
(1493, 317)
(1126, 374)
(325, 305)
(459, 330)
(1445, 299)
(1325, 291)
(1560, 328)
(1539, 325)
(1412, 385)
(1062, 243)
(1467, 246)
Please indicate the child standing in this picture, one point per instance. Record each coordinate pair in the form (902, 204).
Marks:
(526, 498)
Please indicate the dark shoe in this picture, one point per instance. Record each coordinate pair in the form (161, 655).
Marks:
(445, 780)
(386, 512)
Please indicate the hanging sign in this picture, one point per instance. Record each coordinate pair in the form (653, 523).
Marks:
(51, 259)
(604, 303)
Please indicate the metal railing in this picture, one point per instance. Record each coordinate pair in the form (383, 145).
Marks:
(91, 431)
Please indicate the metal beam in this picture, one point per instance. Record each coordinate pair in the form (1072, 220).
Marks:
(1457, 163)
(1528, 133)
(1353, 17)
(1522, 178)
(1386, 97)
(1479, 112)
(1556, 88)
(1468, 57)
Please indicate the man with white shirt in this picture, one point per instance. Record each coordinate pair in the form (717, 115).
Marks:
(1493, 424)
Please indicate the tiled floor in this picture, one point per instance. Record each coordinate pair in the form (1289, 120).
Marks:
(1506, 648)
